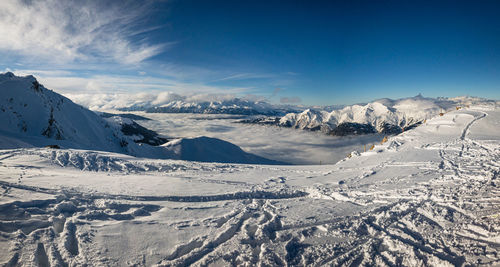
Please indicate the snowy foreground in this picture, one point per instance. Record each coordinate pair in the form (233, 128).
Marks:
(430, 196)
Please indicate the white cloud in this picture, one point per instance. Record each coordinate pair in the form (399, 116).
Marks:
(120, 91)
(67, 82)
(110, 101)
(81, 45)
(61, 31)
(165, 97)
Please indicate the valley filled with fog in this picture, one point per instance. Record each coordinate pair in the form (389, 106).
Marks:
(289, 145)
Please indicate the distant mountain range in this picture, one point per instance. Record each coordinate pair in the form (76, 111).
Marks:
(385, 116)
(236, 106)
(166, 102)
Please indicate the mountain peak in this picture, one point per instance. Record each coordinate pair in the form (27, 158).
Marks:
(9, 76)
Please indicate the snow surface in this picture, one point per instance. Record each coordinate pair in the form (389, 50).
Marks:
(208, 149)
(427, 197)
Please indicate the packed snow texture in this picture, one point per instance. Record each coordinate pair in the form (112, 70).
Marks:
(427, 197)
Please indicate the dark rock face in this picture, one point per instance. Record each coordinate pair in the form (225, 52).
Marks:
(52, 130)
(412, 126)
(261, 121)
(390, 129)
(351, 128)
(148, 137)
(314, 129)
(123, 115)
(343, 129)
(36, 86)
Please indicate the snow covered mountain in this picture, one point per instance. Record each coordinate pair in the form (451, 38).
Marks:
(38, 116)
(233, 106)
(384, 116)
(34, 116)
(136, 132)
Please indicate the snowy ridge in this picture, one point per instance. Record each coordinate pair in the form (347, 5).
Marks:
(27, 109)
(384, 115)
(135, 131)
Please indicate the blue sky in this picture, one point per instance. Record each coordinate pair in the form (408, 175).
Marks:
(304, 52)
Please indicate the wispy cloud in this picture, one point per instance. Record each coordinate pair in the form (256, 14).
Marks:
(244, 76)
(67, 82)
(62, 31)
(290, 100)
(91, 47)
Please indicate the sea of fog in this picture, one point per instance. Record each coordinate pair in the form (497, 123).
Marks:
(283, 144)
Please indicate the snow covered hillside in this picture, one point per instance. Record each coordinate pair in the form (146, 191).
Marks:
(36, 116)
(33, 116)
(384, 116)
(427, 197)
(207, 149)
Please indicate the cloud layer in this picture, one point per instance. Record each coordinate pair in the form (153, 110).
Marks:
(126, 100)
(283, 144)
(67, 31)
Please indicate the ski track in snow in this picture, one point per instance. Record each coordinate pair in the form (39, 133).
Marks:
(451, 219)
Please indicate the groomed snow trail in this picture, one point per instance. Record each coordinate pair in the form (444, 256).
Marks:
(429, 197)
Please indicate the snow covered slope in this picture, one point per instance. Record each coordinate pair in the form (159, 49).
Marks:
(207, 149)
(427, 197)
(136, 132)
(384, 115)
(38, 116)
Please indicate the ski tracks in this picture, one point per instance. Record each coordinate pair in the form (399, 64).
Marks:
(246, 237)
